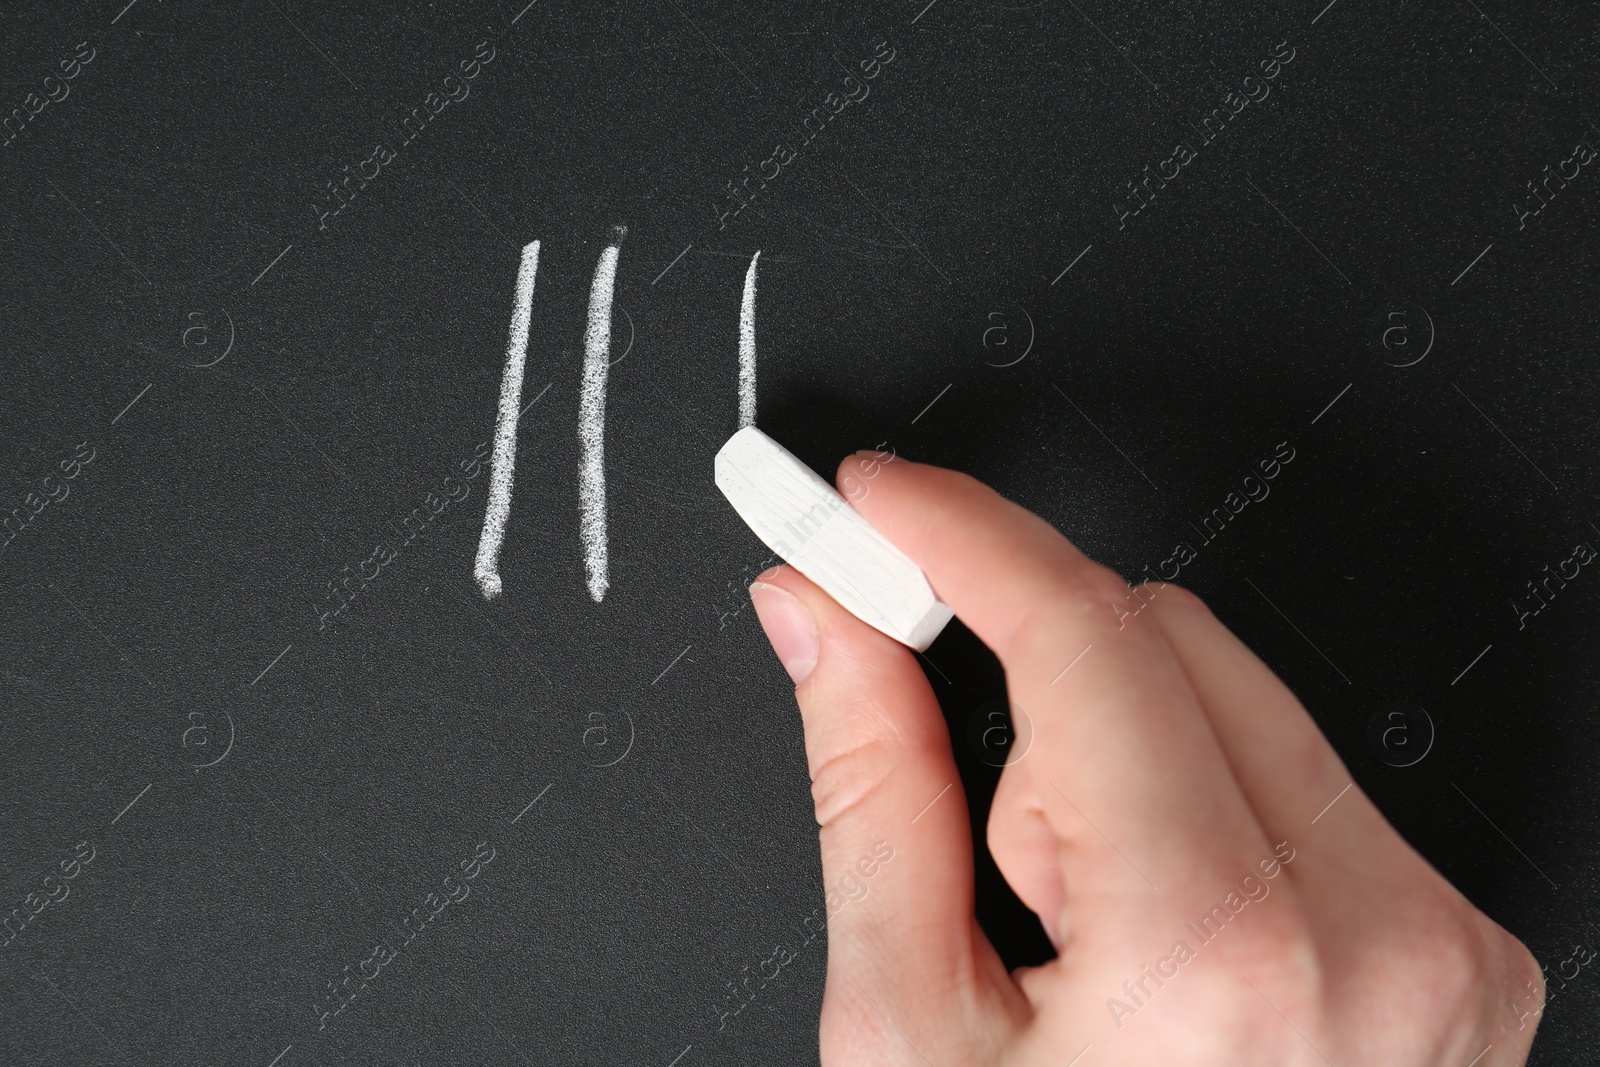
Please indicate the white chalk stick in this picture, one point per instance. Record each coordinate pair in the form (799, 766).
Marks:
(804, 520)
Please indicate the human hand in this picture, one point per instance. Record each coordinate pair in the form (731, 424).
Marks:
(1217, 889)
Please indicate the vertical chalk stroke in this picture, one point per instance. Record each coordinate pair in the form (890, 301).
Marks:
(747, 348)
(592, 419)
(486, 569)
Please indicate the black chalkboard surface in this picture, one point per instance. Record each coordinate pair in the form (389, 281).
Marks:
(259, 265)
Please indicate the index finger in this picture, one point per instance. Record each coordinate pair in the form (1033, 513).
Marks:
(1123, 760)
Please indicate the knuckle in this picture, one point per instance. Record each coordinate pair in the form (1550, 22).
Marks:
(1459, 944)
(1277, 959)
(1171, 595)
(1288, 953)
(844, 781)
(1459, 960)
(1089, 587)
(1068, 596)
(1498, 969)
(1279, 951)
(1525, 978)
(1444, 969)
(1016, 825)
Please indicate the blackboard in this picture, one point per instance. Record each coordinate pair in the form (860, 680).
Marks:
(259, 264)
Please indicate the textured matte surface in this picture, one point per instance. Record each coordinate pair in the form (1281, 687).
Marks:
(161, 612)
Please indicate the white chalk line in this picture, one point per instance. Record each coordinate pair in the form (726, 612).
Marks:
(486, 568)
(592, 421)
(747, 348)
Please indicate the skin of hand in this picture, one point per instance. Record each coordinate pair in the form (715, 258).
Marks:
(1169, 771)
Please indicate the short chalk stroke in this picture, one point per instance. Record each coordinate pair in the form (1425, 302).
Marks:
(486, 569)
(747, 348)
(592, 420)
(597, 362)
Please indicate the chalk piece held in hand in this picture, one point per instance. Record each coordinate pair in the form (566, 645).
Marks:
(804, 520)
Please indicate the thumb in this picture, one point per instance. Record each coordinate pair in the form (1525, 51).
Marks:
(907, 963)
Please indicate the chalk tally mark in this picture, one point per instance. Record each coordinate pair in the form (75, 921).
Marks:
(486, 569)
(747, 348)
(597, 363)
(592, 420)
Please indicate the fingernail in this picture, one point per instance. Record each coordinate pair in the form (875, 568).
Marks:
(790, 628)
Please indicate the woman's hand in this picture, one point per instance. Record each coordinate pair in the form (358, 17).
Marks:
(1218, 890)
